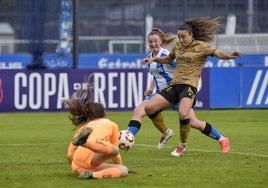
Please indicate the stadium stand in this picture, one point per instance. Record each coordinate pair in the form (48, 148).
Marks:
(36, 22)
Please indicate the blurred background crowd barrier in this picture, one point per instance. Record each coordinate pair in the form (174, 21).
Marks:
(115, 26)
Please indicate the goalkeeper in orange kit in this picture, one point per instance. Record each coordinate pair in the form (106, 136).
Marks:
(95, 142)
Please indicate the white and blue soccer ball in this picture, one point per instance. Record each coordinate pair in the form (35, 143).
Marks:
(126, 140)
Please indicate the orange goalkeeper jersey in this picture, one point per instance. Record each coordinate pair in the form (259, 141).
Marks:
(103, 130)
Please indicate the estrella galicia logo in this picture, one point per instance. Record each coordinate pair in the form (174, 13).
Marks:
(1, 91)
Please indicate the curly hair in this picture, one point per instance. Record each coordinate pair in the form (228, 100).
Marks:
(203, 28)
(81, 108)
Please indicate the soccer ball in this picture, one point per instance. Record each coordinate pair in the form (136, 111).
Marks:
(126, 140)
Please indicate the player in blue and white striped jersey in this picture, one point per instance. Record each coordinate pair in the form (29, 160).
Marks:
(162, 74)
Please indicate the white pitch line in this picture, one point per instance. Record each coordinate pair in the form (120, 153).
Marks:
(208, 151)
(142, 145)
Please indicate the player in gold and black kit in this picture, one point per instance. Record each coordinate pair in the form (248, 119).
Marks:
(190, 53)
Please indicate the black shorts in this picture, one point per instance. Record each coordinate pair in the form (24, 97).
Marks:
(174, 93)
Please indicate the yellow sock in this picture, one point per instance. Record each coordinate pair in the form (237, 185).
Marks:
(159, 123)
(184, 130)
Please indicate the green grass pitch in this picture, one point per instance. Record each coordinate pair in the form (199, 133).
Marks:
(34, 147)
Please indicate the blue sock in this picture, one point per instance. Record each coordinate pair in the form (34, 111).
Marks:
(214, 133)
(211, 132)
(134, 126)
(134, 130)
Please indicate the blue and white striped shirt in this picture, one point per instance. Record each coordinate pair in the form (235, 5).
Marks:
(162, 73)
